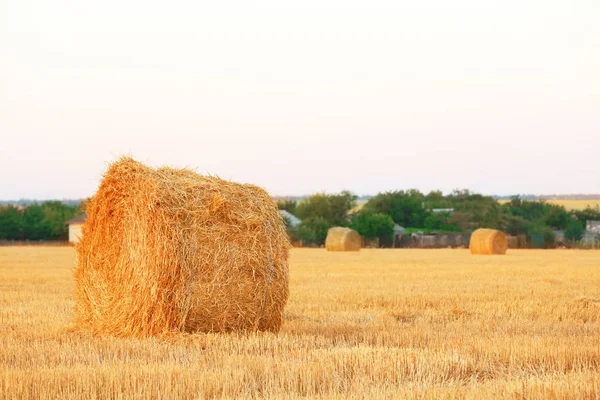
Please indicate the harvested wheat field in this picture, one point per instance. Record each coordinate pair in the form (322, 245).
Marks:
(368, 324)
(576, 204)
(570, 204)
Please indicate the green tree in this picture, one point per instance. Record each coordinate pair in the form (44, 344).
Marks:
(56, 215)
(34, 224)
(515, 225)
(556, 216)
(574, 230)
(532, 211)
(47, 221)
(313, 230)
(405, 208)
(436, 199)
(482, 211)
(440, 222)
(463, 220)
(520, 216)
(10, 223)
(588, 214)
(332, 208)
(373, 225)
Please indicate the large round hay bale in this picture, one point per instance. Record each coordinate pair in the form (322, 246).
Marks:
(342, 239)
(488, 241)
(170, 250)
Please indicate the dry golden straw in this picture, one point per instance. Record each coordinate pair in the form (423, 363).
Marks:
(342, 239)
(170, 250)
(488, 241)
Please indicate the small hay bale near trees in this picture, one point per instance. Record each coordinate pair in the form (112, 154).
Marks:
(169, 250)
(342, 239)
(488, 241)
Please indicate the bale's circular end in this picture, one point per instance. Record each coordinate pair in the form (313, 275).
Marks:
(488, 241)
(170, 250)
(342, 239)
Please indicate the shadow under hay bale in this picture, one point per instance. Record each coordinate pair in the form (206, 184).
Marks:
(488, 241)
(170, 250)
(342, 239)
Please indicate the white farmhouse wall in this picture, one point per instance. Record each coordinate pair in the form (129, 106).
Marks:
(74, 233)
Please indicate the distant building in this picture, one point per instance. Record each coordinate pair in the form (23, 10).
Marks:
(442, 210)
(292, 219)
(398, 230)
(75, 226)
(592, 232)
(593, 227)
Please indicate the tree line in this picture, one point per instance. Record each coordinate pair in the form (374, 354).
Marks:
(458, 212)
(43, 221)
(410, 209)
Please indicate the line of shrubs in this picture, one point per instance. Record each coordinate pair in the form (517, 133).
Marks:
(43, 221)
(458, 212)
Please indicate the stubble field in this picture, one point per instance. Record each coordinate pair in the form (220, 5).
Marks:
(373, 324)
(571, 204)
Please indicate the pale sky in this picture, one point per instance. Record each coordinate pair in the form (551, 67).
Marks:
(499, 97)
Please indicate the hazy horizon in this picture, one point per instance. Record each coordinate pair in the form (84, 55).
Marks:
(496, 97)
(571, 196)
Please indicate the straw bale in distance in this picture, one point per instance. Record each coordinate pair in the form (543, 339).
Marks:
(488, 241)
(170, 250)
(342, 239)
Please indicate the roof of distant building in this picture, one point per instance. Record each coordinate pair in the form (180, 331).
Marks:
(80, 219)
(294, 221)
(442, 210)
(399, 229)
